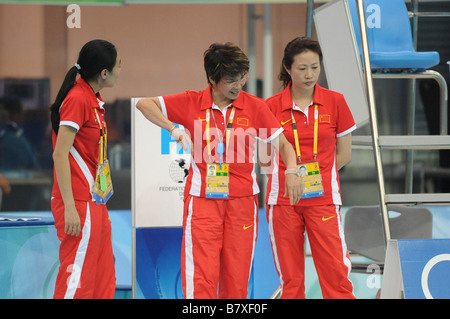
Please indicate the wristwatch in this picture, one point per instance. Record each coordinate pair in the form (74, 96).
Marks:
(291, 171)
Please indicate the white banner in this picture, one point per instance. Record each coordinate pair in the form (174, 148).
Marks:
(159, 170)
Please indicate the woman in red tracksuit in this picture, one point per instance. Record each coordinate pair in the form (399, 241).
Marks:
(222, 124)
(318, 123)
(78, 120)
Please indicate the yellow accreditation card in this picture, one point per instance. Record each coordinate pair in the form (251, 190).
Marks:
(309, 172)
(217, 181)
(103, 188)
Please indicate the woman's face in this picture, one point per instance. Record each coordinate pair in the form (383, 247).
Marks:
(111, 76)
(229, 88)
(305, 70)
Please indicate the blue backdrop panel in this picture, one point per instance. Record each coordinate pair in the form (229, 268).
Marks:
(28, 255)
(158, 263)
(425, 266)
(158, 266)
(29, 250)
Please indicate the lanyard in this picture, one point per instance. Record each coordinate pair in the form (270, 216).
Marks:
(103, 139)
(316, 135)
(220, 149)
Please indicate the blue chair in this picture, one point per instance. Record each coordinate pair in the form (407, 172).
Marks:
(390, 37)
(391, 50)
(392, 56)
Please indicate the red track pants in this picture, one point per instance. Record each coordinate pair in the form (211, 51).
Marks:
(218, 245)
(86, 262)
(287, 226)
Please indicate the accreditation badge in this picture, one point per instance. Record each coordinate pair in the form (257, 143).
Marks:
(217, 180)
(311, 179)
(103, 188)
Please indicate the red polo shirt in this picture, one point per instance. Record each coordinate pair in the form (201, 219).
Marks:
(77, 111)
(335, 120)
(252, 120)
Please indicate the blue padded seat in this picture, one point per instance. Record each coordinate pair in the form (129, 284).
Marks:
(390, 37)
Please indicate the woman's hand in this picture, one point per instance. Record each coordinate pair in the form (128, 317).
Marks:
(4, 185)
(292, 183)
(182, 139)
(293, 188)
(72, 222)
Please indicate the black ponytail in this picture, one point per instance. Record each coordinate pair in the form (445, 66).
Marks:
(68, 83)
(95, 56)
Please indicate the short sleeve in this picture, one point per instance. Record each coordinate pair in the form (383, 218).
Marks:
(268, 126)
(345, 123)
(176, 108)
(74, 111)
